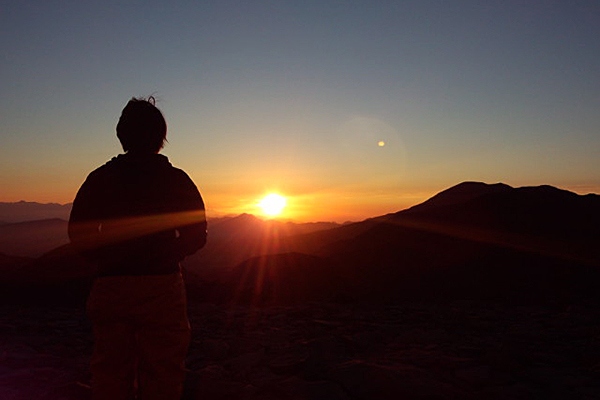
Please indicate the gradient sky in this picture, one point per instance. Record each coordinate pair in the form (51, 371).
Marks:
(294, 96)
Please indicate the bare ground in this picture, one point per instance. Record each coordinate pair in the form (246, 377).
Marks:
(332, 351)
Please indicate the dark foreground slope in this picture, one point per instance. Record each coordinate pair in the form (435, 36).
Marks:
(366, 344)
(416, 351)
(32, 238)
(232, 240)
(60, 276)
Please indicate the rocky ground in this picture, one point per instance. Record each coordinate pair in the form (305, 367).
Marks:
(332, 351)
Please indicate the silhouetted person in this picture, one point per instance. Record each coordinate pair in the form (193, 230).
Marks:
(137, 217)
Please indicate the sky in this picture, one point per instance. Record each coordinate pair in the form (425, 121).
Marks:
(294, 97)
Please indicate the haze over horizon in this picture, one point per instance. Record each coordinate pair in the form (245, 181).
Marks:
(295, 98)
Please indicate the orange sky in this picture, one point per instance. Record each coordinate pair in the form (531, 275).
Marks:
(342, 203)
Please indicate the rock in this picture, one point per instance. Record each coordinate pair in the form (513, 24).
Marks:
(288, 363)
(70, 391)
(242, 365)
(363, 380)
(323, 353)
(244, 344)
(511, 392)
(212, 371)
(7, 393)
(195, 360)
(367, 340)
(30, 383)
(299, 389)
(212, 383)
(589, 392)
(215, 349)
(261, 376)
(477, 375)
(19, 352)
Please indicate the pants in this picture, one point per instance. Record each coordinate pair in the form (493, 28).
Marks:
(141, 334)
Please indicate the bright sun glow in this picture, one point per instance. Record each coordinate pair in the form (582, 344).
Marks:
(272, 204)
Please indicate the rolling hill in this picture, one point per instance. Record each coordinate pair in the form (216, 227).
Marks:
(33, 238)
(232, 240)
(472, 241)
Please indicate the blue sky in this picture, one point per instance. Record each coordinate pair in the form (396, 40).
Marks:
(293, 96)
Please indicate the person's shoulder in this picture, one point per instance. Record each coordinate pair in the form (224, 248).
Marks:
(177, 173)
(181, 180)
(104, 168)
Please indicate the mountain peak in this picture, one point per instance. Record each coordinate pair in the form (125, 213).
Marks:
(475, 187)
(463, 192)
(245, 217)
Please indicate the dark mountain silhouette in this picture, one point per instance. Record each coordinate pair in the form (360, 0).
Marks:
(479, 211)
(33, 238)
(30, 211)
(462, 193)
(541, 210)
(59, 276)
(280, 278)
(9, 265)
(472, 241)
(231, 240)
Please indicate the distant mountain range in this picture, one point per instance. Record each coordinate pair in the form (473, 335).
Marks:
(37, 254)
(31, 211)
(472, 241)
(232, 240)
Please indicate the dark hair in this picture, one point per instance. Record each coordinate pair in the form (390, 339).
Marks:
(142, 126)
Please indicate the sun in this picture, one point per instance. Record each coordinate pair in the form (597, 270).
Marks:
(272, 204)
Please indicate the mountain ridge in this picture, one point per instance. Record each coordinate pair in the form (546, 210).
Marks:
(22, 211)
(497, 242)
(454, 249)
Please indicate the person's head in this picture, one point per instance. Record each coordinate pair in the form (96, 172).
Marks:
(142, 127)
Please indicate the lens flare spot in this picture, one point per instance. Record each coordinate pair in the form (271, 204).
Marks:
(381, 143)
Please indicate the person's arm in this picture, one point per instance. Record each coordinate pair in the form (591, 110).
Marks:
(192, 234)
(84, 222)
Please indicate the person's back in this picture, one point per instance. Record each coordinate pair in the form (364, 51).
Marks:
(137, 217)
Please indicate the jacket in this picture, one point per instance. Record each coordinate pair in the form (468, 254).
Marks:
(137, 215)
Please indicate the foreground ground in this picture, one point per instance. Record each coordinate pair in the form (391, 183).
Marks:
(332, 351)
